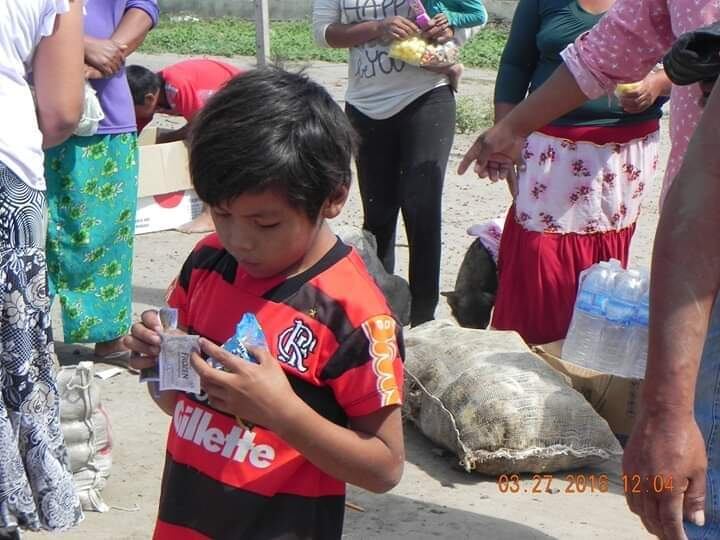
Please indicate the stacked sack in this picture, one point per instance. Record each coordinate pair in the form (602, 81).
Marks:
(86, 428)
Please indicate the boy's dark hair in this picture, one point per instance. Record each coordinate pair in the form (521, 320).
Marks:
(142, 82)
(271, 129)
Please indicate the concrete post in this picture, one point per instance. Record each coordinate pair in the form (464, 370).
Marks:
(262, 32)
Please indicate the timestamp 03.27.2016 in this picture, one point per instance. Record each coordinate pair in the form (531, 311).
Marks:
(582, 483)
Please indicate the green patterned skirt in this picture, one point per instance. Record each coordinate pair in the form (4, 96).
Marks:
(92, 198)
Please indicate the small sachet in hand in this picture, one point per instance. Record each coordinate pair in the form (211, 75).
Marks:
(176, 370)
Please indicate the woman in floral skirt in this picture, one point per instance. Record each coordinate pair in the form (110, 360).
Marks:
(45, 37)
(92, 189)
(578, 196)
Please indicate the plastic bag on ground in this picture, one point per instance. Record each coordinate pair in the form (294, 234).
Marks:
(395, 288)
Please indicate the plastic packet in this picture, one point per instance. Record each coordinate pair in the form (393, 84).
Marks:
(92, 113)
(174, 369)
(422, 19)
(418, 52)
(247, 332)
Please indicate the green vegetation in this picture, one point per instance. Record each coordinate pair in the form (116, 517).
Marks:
(290, 41)
(472, 116)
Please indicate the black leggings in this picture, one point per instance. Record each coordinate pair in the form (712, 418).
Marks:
(401, 166)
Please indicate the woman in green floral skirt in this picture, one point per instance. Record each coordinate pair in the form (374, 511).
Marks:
(92, 189)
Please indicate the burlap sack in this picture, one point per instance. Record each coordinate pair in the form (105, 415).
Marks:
(485, 396)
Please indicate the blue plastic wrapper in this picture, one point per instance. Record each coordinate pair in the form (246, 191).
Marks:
(247, 332)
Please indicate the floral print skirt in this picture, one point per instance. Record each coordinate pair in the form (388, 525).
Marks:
(92, 199)
(577, 204)
(583, 187)
(36, 485)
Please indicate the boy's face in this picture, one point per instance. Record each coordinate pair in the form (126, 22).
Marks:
(144, 113)
(266, 235)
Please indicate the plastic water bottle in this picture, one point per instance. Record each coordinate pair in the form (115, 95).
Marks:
(618, 334)
(588, 319)
(637, 356)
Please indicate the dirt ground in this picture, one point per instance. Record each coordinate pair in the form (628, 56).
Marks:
(435, 499)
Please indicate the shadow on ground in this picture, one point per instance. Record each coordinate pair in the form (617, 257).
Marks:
(437, 462)
(419, 520)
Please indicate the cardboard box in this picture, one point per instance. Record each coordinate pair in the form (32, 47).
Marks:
(615, 398)
(165, 196)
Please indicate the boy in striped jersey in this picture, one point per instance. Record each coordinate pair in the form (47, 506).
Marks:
(270, 156)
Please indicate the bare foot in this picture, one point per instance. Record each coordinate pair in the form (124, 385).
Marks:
(201, 224)
(114, 353)
(455, 73)
(110, 349)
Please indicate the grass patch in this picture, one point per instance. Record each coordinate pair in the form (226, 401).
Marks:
(290, 41)
(472, 116)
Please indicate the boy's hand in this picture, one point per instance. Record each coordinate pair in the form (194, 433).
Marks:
(259, 393)
(397, 28)
(144, 340)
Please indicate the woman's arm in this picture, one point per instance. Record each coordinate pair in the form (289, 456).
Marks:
(58, 70)
(105, 57)
(685, 281)
(329, 31)
(139, 18)
(623, 47)
(520, 56)
(344, 36)
(593, 65)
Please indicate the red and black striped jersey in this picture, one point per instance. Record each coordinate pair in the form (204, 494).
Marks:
(333, 332)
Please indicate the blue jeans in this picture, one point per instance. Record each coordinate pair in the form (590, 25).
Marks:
(707, 414)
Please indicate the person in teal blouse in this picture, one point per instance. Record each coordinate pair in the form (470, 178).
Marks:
(459, 13)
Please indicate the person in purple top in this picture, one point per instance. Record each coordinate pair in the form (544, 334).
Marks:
(92, 188)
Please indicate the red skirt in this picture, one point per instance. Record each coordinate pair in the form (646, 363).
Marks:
(539, 273)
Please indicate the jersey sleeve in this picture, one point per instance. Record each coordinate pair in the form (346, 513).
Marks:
(366, 372)
(179, 291)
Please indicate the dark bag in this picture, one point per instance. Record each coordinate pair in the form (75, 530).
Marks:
(695, 57)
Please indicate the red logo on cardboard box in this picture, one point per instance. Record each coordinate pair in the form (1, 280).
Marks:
(169, 200)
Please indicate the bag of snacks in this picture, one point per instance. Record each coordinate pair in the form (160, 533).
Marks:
(418, 52)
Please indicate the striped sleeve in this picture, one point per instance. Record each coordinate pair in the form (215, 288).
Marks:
(366, 372)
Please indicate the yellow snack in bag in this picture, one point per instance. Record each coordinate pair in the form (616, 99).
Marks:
(624, 88)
